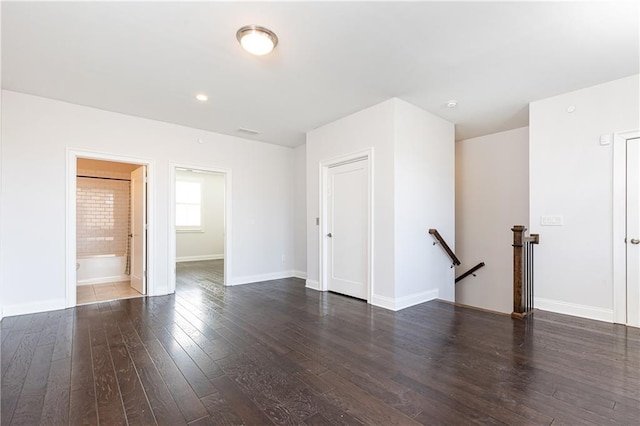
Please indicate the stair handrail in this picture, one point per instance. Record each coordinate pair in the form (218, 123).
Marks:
(444, 246)
(470, 272)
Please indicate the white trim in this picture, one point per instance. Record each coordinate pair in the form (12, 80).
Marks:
(313, 285)
(619, 225)
(70, 257)
(34, 307)
(171, 255)
(417, 298)
(583, 311)
(198, 258)
(322, 229)
(383, 302)
(405, 301)
(250, 279)
(104, 280)
(299, 274)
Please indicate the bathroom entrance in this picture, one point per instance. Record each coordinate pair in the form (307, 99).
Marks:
(110, 227)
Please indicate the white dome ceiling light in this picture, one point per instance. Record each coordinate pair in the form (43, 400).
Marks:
(257, 40)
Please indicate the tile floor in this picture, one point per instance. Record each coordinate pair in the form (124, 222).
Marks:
(103, 292)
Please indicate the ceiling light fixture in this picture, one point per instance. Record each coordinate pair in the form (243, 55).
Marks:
(202, 97)
(257, 40)
(452, 103)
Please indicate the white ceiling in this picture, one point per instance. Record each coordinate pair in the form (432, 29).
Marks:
(149, 59)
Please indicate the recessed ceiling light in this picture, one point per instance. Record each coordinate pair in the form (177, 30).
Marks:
(257, 40)
(452, 103)
(202, 97)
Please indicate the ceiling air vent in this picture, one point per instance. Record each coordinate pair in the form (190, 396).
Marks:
(248, 131)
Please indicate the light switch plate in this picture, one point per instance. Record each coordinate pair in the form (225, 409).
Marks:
(551, 220)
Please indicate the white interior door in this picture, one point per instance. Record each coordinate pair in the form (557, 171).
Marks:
(346, 238)
(138, 229)
(633, 232)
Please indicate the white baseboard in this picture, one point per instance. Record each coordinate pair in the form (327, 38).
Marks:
(313, 285)
(383, 302)
(404, 302)
(32, 308)
(583, 311)
(299, 274)
(416, 299)
(197, 258)
(104, 280)
(260, 277)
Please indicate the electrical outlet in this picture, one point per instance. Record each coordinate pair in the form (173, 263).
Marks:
(551, 221)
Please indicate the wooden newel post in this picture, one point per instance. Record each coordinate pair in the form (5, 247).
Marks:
(523, 284)
(518, 271)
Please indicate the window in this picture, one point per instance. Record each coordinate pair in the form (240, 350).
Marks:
(188, 206)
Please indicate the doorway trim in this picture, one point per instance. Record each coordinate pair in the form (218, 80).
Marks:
(171, 264)
(323, 171)
(619, 223)
(71, 185)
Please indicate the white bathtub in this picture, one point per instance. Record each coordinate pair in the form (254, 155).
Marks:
(98, 269)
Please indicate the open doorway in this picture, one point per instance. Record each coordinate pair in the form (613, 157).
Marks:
(110, 249)
(200, 221)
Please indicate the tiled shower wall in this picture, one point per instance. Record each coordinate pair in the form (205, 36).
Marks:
(102, 215)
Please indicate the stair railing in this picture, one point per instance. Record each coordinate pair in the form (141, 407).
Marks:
(470, 272)
(445, 246)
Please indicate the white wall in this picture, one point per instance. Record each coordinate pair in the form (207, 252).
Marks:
(372, 127)
(413, 190)
(492, 195)
(571, 176)
(1, 137)
(207, 243)
(300, 212)
(424, 198)
(37, 133)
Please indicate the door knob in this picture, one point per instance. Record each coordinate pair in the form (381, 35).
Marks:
(635, 241)
(329, 235)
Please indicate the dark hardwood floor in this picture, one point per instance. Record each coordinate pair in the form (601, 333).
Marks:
(276, 353)
(207, 273)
